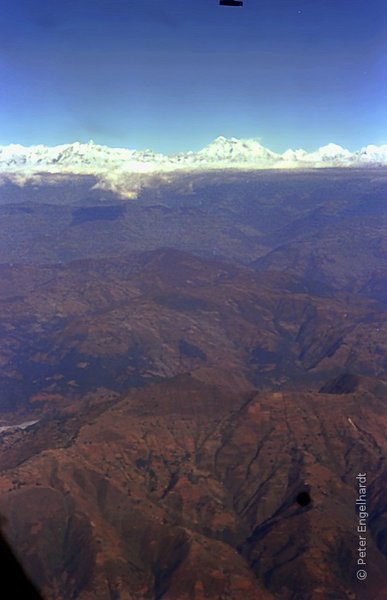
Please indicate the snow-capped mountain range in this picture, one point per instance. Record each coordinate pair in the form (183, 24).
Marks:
(223, 152)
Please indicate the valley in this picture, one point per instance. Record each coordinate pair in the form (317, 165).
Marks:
(177, 368)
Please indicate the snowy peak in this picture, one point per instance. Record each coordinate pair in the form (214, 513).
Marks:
(373, 154)
(294, 155)
(330, 153)
(235, 150)
(334, 150)
(91, 158)
(75, 157)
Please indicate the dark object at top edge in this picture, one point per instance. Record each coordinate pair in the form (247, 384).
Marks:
(230, 3)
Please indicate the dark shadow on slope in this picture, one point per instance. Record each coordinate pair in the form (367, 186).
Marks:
(344, 384)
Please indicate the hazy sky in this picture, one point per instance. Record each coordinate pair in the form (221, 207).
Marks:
(173, 76)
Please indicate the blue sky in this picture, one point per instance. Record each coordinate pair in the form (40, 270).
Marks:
(173, 76)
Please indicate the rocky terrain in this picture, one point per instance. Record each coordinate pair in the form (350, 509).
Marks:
(188, 489)
(121, 323)
(190, 382)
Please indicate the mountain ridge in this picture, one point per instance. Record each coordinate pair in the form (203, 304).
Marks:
(223, 152)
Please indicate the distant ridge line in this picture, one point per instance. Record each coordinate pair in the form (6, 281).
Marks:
(91, 158)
